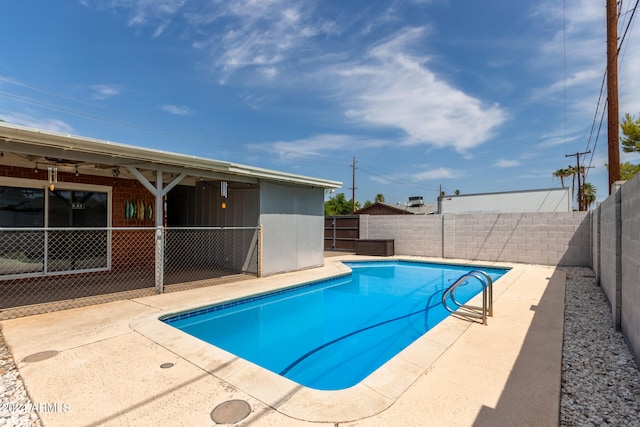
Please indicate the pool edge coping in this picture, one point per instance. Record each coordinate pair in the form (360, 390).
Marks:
(371, 396)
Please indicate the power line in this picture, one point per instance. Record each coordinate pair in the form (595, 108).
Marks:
(604, 77)
(391, 178)
(133, 124)
(578, 171)
(624, 35)
(564, 69)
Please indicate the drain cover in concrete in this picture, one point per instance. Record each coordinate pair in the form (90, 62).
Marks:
(230, 412)
(39, 357)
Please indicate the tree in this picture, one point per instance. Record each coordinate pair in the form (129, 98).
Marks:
(562, 174)
(628, 170)
(631, 134)
(457, 192)
(379, 197)
(338, 205)
(367, 204)
(588, 195)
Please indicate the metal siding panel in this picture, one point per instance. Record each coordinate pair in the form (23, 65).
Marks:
(293, 221)
(555, 200)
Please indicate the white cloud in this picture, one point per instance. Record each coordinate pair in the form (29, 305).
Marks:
(155, 13)
(50, 124)
(556, 138)
(578, 79)
(583, 47)
(315, 146)
(380, 179)
(177, 110)
(244, 34)
(393, 89)
(101, 92)
(440, 173)
(629, 64)
(504, 163)
(145, 11)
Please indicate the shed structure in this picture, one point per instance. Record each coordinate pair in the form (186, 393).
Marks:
(73, 206)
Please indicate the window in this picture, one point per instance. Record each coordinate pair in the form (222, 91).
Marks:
(21, 207)
(70, 208)
(65, 230)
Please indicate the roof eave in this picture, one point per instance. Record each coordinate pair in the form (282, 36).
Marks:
(116, 150)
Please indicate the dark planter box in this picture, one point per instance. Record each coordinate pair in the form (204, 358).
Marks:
(374, 247)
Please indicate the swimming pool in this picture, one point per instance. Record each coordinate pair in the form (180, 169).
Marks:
(329, 335)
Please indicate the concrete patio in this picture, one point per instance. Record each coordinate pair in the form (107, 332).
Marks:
(101, 364)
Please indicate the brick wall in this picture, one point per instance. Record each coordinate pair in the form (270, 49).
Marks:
(122, 190)
(136, 252)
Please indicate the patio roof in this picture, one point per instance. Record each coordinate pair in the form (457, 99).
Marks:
(47, 147)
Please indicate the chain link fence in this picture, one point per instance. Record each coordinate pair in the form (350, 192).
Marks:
(49, 269)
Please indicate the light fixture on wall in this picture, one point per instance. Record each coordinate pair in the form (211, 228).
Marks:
(77, 173)
(36, 168)
(116, 172)
(224, 192)
(53, 177)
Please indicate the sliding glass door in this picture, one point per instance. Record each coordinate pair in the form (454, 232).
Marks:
(44, 231)
(75, 247)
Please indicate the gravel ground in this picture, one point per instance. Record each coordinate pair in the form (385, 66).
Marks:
(16, 408)
(600, 380)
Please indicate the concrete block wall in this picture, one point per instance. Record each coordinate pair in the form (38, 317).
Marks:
(549, 238)
(595, 242)
(560, 238)
(630, 264)
(418, 235)
(609, 254)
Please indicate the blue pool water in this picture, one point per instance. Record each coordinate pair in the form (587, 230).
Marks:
(330, 335)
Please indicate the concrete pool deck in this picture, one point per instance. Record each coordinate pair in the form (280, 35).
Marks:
(105, 364)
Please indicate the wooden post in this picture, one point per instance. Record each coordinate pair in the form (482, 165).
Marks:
(612, 93)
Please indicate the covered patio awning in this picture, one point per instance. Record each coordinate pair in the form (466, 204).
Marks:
(29, 147)
(159, 171)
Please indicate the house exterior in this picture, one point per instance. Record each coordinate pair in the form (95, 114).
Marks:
(415, 206)
(382, 208)
(544, 200)
(65, 201)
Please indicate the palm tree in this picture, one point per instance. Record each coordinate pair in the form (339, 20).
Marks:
(379, 197)
(562, 174)
(588, 195)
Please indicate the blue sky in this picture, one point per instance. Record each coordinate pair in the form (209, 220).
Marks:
(471, 96)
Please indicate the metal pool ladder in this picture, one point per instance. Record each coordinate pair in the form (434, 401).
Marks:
(471, 311)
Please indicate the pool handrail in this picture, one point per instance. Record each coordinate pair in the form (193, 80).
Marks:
(467, 310)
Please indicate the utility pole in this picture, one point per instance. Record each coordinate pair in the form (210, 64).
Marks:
(578, 172)
(353, 185)
(612, 92)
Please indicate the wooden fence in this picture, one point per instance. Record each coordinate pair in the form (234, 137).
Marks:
(341, 232)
